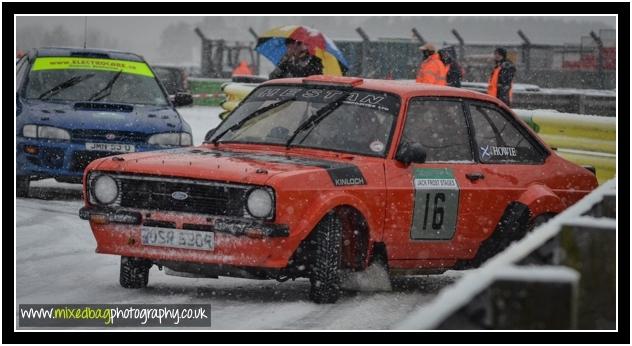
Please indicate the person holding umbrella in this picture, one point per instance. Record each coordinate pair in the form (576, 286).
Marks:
(300, 51)
(297, 62)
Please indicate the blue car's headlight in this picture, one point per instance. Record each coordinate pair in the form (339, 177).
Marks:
(29, 131)
(48, 132)
(179, 138)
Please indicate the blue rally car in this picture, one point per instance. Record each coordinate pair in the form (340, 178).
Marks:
(75, 105)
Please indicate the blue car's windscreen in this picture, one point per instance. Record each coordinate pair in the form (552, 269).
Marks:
(83, 83)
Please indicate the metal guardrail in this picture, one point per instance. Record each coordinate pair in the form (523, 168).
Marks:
(526, 96)
(577, 103)
(560, 276)
(570, 103)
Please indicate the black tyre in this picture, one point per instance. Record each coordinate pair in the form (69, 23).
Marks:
(325, 264)
(134, 272)
(546, 253)
(22, 186)
(513, 225)
(540, 220)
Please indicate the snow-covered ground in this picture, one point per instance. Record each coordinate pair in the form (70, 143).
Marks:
(201, 119)
(56, 263)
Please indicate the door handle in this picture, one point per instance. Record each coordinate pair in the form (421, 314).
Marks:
(475, 176)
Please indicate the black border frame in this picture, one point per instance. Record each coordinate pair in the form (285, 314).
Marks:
(623, 334)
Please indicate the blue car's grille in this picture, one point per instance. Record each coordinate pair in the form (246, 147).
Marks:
(48, 158)
(52, 158)
(109, 136)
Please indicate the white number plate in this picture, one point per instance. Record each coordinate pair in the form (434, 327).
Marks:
(180, 238)
(121, 148)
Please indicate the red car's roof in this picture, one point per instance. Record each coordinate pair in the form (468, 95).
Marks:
(406, 88)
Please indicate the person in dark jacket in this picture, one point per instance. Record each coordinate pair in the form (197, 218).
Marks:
(501, 80)
(455, 72)
(297, 62)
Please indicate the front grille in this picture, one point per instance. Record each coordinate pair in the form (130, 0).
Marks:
(81, 159)
(202, 197)
(102, 135)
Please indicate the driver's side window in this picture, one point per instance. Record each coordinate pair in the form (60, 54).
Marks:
(440, 127)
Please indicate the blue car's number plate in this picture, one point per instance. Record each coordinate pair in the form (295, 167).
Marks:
(179, 238)
(121, 148)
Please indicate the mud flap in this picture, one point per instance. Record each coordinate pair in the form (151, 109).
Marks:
(513, 226)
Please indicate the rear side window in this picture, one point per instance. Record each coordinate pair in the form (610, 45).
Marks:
(440, 127)
(499, 140)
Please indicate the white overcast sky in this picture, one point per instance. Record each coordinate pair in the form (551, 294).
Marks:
(142, 34)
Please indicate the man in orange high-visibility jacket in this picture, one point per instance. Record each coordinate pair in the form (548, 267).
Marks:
(502, 77)
(242, 69)
(432, 70)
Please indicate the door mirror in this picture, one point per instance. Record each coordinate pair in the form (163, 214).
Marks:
(182, 99)
(411, 152)
(209, 134)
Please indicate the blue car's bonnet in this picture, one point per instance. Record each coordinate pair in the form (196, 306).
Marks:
(95, 116)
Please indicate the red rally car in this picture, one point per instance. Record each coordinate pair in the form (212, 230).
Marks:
(314, 177)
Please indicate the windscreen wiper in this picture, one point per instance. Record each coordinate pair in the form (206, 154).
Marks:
(107, 90)
(250, 116)
(317, 117)
(64, 85)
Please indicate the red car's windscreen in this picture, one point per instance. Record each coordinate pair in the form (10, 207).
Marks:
(355, 121)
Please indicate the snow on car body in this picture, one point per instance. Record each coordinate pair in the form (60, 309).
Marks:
(75, 105)
(312, 177)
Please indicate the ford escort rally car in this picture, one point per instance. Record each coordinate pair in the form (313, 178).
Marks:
(314, 177)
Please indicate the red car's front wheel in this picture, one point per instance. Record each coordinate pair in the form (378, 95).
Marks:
(325, 266)
(134, 272)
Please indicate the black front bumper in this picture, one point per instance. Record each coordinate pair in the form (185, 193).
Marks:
(233, 226)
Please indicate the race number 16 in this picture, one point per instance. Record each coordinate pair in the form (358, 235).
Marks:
(436, 202)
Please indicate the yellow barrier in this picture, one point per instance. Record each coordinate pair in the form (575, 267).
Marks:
(579, 143)
(579, 132)
(584, 140)
(230, 105)
(585, 127)
(237, 90)
(604, 164)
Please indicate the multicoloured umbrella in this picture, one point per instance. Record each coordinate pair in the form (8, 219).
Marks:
(271, 44)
